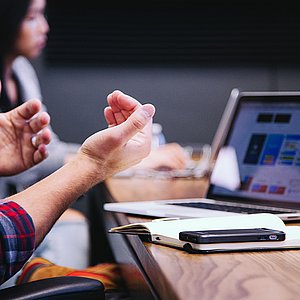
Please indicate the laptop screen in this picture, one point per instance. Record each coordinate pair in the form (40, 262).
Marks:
(265, 133)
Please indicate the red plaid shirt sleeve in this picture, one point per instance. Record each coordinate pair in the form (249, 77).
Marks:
(17, 239)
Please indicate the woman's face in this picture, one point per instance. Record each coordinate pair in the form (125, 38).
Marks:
(32, 36)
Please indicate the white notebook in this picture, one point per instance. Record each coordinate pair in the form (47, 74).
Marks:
(166, 232)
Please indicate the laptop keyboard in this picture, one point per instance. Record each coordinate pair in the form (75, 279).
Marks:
(236, 209)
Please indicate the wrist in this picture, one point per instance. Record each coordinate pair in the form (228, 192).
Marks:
(88, 170)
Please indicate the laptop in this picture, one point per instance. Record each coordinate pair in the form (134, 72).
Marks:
(264, 130)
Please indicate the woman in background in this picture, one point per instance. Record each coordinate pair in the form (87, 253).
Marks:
(23, 35)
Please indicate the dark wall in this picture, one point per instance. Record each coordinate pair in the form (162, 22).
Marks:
(183, 59)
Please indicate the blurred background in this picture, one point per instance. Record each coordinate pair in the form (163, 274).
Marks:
(185, 57)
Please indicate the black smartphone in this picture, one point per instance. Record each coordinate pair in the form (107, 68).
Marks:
(232, 235)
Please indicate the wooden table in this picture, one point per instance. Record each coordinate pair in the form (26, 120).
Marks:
(160, 272)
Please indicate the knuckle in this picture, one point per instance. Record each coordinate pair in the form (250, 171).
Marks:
(138, 123)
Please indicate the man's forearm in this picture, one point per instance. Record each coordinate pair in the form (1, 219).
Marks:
(46, 200)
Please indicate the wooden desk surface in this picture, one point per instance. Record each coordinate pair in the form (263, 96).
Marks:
(175, 274)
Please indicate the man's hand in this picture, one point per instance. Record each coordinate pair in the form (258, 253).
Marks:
(120, 107)
(23, 137)
(127, 140)
(170, 156)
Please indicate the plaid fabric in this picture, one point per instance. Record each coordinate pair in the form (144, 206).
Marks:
(17, 239)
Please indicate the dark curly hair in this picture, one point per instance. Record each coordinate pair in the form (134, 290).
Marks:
(12, 12)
